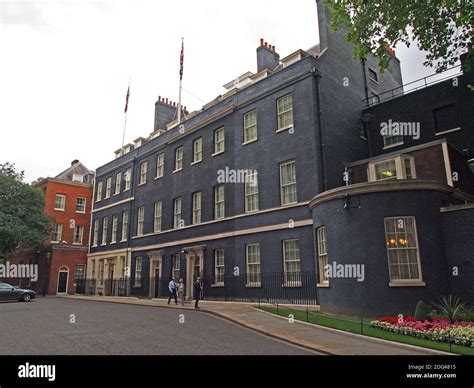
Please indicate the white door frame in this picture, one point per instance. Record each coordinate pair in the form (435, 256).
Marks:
(67, 280)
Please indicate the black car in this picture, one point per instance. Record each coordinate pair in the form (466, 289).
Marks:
(9, 292)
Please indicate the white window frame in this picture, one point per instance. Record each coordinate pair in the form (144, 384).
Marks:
(292, 183)
(160, 166)
(141, 221)
(197, 150)
(108, 187)
(178, 159)
(100, 187)
(281, 114)
(57, 231)
(105, 228)
(80, 205)
(157, 220)
(218, 203)
(322, 255)
(138, 271)
(95, 239)
(197, 204)
(177, 212)
(288, 275)
(258, 282)
(113, 238)
(60, 202)
(251, 192)
(399, 233)
(128, 179)
(78, 235)
(118, 183)
(219, 267)
(398, 139)
(219, 143)
(176, 268)
(400, 167)
(250, 127)
(143, 173)
(125, 222)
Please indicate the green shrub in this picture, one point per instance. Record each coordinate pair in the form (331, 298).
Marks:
(450, 307)
(467, 314)
(422, 311)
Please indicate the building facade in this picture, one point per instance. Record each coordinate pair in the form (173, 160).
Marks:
(62, 259)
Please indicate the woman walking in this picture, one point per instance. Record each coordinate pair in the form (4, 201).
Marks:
(181, 290)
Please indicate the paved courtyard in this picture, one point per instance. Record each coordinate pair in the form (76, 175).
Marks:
(46, 327)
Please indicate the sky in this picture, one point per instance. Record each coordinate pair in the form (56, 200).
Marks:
(65, 67)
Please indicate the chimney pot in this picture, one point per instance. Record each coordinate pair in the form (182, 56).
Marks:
(166, 99)
(261, 41)
(266, 44)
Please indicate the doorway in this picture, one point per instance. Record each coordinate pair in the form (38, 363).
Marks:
(194, 264)
(63, 280)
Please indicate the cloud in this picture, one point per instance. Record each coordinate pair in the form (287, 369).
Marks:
(21, 13)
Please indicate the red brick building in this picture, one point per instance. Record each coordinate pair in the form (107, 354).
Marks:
(63, 257)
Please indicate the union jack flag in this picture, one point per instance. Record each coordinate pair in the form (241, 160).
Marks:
(181, 61)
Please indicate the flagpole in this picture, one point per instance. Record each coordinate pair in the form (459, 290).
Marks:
(126, 112)
(180, 80)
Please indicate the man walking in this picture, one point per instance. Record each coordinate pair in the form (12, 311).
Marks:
(197, 291)
(172, 290)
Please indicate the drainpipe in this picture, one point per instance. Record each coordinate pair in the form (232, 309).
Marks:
(320, 135)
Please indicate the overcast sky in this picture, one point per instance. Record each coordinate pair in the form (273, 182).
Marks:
(65, 67)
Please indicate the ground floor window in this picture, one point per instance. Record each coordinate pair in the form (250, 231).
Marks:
(219, 266)
(138, 271)
(402, 249)
(291, 263)
(80, 271)
(176, 267)
(322, 254)
(101, 271)
(253, 265)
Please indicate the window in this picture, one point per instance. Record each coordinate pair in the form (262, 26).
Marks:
(219, 267)
(80, 205)
(219, 202)
(178, 159)
(392, 140)
(143, 172)
(78, 178)
(285, 112)
(250, 126)
(252, 252)
(118, 183)
(95, 240)
(288, 183)
(108, 187)
(219, 141)
(251, 191)
(157, 219)
(98, 196)
(113, 238)
(291, 263)
(322, 254)
(446, 119)
(196, 208)
(57, 233)
(401, 167)
(373, 76)
(128, 179)
(80, 272)
(93, 269)
(141, 220)
(138, 271)
(124, 225)
(105, 226)
(177, 212)
(197, 150)
(78, 234)
(402, 249)
(160, 165)
(101, 271)
(176, 271)
(60, 202)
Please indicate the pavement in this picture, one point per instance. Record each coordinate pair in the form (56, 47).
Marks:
(312, 337)
(58, 326)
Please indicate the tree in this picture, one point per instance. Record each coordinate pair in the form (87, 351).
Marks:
(443, 28)
(22, 220)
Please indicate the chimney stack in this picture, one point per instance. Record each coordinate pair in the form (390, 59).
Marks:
(267, 57)
(75, 161)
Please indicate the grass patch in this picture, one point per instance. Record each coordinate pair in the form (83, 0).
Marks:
(363, 327)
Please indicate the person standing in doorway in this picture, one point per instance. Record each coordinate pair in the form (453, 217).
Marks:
(172, 290)
(197, 291)
(181, 289)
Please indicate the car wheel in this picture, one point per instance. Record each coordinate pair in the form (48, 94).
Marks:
(26, 297)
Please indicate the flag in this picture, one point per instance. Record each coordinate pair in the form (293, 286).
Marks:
(126, 99)
(181, 61)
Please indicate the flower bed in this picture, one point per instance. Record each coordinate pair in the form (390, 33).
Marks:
(440, 329)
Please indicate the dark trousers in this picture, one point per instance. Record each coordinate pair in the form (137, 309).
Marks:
(197, 302)
(173, 295)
